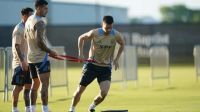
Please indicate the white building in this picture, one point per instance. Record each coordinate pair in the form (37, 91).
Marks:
(63, 13)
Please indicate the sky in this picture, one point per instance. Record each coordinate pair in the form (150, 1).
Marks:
(141, 8)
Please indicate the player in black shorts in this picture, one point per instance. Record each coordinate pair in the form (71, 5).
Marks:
(21, 75)
(38, 51)
(103, 42)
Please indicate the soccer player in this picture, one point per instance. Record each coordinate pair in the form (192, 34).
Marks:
(38, 52)
(103, 42)
(21, 75)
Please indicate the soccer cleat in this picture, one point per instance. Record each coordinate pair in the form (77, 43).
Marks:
(15, 110)
(27, 109)
(91, 110)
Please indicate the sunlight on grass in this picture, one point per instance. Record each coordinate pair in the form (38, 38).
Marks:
(181, 95)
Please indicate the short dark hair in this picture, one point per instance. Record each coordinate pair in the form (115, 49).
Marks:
(108, 19)
(40, 3)
(25, 11)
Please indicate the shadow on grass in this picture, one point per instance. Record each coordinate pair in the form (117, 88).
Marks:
(165, 89)
(58, 100)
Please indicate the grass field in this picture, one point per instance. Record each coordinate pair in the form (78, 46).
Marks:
(182, 95)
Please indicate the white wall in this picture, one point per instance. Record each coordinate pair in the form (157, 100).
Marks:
(71, 14)
(84, 14)
(10, 11)
(62, 13)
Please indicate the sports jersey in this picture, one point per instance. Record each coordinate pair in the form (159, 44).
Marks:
(18, 38)
(103, 46)
(35, 54)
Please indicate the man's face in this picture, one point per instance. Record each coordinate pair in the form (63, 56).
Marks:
(43, 10)
(26, 16)
(107, 27)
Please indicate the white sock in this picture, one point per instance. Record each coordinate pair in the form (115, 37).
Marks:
(28, 109)
(72, 109)
(45, 108)
(14, 109)
(92, 106)
(33, 108)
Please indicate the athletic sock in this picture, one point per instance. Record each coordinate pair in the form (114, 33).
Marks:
(28, 109)
(72, 109)
(45, 108)
(14, 109)
(92, 106)
(33, 108)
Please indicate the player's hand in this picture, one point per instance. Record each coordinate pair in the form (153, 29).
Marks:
(53, 53)
(24, 65)
(116, 64)
(81, 57)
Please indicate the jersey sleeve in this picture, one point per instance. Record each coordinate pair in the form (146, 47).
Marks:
(89, 34)
(118, 36)
(17, 36)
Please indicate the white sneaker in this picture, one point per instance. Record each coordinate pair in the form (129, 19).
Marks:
(16, 110)
(27, 109)
(33, 108)
(71, 109)
(45, 109)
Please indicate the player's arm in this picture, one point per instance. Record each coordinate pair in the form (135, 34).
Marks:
(24, 64)
(39, 32)
(19, 53)
(81, 39)
(121, 43)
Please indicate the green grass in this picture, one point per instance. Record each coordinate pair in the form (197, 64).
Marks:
(182, 95)
(1, 79)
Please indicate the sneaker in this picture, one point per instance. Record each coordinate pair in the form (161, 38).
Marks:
(45, 109)
(91, 110)
(27, 109)
(15, 110)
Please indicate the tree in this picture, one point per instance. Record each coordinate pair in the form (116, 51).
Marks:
(179, 14)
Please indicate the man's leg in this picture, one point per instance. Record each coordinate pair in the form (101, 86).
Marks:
(35, 86)
(104, 88)
(44, 78)
(15, 97)
(76, 98)
(88, 75)
(33, 94)
(27, 97)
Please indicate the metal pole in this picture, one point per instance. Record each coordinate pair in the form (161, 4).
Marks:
(66, 73)
(6, 77)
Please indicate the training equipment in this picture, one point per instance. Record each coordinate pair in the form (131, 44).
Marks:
(2, 61)
(58, 77)
(127, 65)
(159, 61)
(196, 54)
